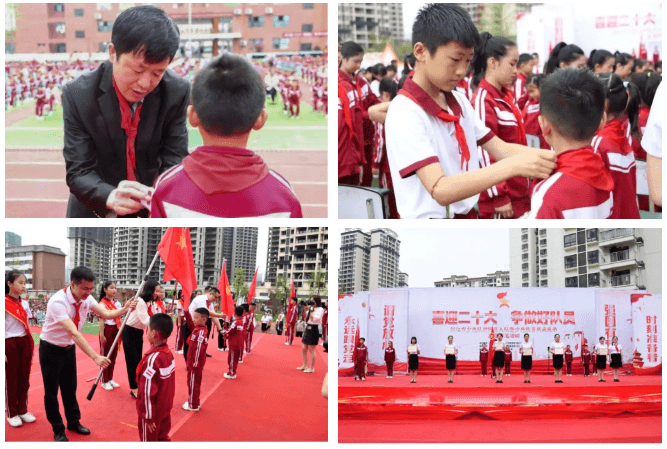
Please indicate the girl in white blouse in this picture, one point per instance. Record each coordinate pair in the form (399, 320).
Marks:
(311, 335)
(616, 352)
(499, 358)
(601, 349)
(413, 359)
(557, 349)
(526, 350)
(450, 356)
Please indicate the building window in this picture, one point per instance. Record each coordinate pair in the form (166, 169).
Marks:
(543, 262)
(306, 47)
(59, 7)
(543, 252)
(80, 34)
(524, 246)
(524, 256)
(582, 259)
(78, 12)
(256, 22)
(57, 48)
(592, 235)
(570, 261)
(543, 283)
(10, 48)
(594, 280)
(276, 43)
(524, 276)
(592, 257)
(307, 27)
(543, 242)
(103, 25)
(582, 281)
(524, 238)
(571, 282)
(308, 5)
(524, 266)
(104, 47)
(543, 272)
(280, 21)
(525, 284)
(570, 240)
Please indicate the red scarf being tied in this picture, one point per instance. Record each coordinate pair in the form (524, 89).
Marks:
(14, 307)
(111, 306)
(509, 99)
(419, 96)
(130, 125)
(614, 132)
(586, 166)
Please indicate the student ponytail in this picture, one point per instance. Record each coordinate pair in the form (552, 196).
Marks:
(489, 47)
(621, 59)
(408, 64)
(598, 57)
(11, 276)
(562, 53)
(388, 85)
(647, 83)
(618, 101)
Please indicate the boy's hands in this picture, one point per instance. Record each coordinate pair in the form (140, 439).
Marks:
(533, 163)
(506, 211)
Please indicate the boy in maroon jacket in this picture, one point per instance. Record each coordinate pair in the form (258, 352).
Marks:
(197, 344)
(389, 359)
(244, 319)
(483, 358)
(250, 327)
(587, 361)
(360, 358)
(508, 360)
(568, 360)
(234, 337)
(156, 382)
(290, 321)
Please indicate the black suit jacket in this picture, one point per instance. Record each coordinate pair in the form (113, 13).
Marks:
(94, 147)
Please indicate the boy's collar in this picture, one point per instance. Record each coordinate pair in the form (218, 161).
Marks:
(427, 103)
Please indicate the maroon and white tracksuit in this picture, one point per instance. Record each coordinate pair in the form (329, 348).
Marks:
(40, 97)
(389, 359)
(234, 337)
(294, 99)
(19, 352)
(250, 330)
(197, 344)
(290, 323)
(156, 382)
(360, 361)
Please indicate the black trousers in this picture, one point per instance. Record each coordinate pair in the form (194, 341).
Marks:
(133, 344)
(59, 373)
(186, 336)
(222, 344)
(272, 92)
(209, 326)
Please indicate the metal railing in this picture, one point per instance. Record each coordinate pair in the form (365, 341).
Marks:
(623, 279)
(619, 255)
(616, 233)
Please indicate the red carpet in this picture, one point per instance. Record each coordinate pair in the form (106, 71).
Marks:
(268, 401)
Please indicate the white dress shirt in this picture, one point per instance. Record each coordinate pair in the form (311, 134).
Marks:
(61, 308)
(13, 327)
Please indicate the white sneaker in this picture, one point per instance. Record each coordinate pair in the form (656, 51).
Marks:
(107, 386)
(287, 342)
(220, 349)
(114, 384)
(390, 377)
(302, 368)
(15, 421)
(240, 361)
(28, 417)
(309, 370)
(187, 407)
(228, 376)
(179, 352)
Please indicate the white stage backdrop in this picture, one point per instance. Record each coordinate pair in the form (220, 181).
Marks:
(469, 314)
(647, 323)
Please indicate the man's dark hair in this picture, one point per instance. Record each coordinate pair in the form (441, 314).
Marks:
(573, 100)
(202, 311)
(238, 311)
(162, 323)
(246, 307)
(524, 58)
(228, 95)
(362, 338)
(214, 290)
(82, 274)
(207, 288)
(535, 54)
(440, 23)
(146, 30)
(350, 49)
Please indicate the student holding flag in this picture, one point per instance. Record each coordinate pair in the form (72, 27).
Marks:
(250, 319)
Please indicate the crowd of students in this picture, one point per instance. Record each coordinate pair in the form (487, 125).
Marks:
(474, 129)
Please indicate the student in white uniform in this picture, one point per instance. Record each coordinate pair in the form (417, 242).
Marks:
(526, 350)
(450, 356)
(557, 349)
(413, 359)
(601, 349)
(499, 358)
(616, 352)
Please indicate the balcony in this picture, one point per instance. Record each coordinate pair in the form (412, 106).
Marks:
(617, 236)
(618, 259)
(622, 281)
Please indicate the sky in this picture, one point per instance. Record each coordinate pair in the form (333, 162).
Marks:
(429, 255)
(410, 11)
(57, 236)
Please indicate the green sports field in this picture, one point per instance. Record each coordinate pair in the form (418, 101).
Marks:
(308, 132)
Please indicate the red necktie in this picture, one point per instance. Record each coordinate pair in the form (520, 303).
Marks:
(130, 125)
(509, 98)
(76, 315)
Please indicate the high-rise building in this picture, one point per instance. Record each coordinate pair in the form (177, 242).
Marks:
(42, 265)
(296, 253)
(368, 23)
(403, 279)
(12, 239)
(368, 260)
(91, 247)
(240, 249)
(627, 258)
(497, 279)
(473, 9)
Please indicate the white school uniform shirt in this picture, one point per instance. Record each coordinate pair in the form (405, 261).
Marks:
(452, 346)
(612, 349)
(111, 322)
(416, 139)
(61, 308)
(375, 88)
(413, 349)
(601, 346)
(316, 316)
(13, 327)
(652, 137)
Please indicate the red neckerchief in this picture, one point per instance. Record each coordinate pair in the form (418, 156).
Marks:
(418, 95)
(150, 308)
(160, 304)
(506, 95)
(130, 125)
(586, 166)
(616, 346)
(111, 306)
(77, 305)
(153, 350)
(345, 102)
(14, 307)
(614, 132)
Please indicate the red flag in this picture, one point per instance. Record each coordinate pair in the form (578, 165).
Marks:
(226, 300)
(292, 292)
(492, 341)
(356, 343)
(253, 286)
(176, 250)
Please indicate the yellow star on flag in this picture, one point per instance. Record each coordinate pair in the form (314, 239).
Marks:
(181, 242)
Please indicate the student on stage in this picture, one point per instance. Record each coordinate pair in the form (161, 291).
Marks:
(557, 349)
(616, 352)
(508, 360)
(450, 356)
(568, 361)
(483, 358)
(601, 349)
(290, 321)
(526, 350)
(234, 337)
(389, 359)
(156, 379)
(311, 335)
(413, 359)
(499, 358)
(246, 311)
(108, 331)
(19, 349)
(594, 360)
(587, 361)
(360, 360)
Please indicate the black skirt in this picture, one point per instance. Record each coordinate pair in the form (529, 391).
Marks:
(526, 362)
(499, 359)
(616, 361)
(558, 361)
(451, 361)
(413, 361)
(311, 335)
(602, 362)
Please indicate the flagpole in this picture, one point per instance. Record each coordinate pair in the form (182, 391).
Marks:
(120, 331)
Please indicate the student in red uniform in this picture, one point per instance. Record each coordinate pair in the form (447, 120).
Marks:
(235, 339)
(586, 358)
(222, 341)
(180, 320)
(368, 99)
(594, 360)
(40, 97)
(351, 159)
(19, 348)
(612, 144)
(246, 311)
(223, 178)
(325, 98)
(389, 359)
(290, 321)
(531, 112)
(294, 98)
(250, 327)
(483, 358)
(565, 56)
(360, 360)
(157, 382)
(508, 360)
(316, 94)
(197, 344)
(325, 322)
(523, 71)
(388, 90)
(601, 61)
(572, 107)
(496, 60)
(108, 331)
(568, 361)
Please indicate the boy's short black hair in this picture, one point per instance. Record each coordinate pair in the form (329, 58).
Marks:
(246, 307)
(350, 49)
(362, 338)
(238, 311)
(146, 30)
(228, 95)
(438, 24)
(82, 274)
(573, 100)
(388, 85)
(524, 58)
(657, 65)
(203, 311)
(162, 323)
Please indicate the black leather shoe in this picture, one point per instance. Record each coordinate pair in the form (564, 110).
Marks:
(78, 428)
(60, 437)
(209, 355)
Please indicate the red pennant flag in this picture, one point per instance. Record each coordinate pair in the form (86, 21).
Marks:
(292, 292)
(356, 343)
(226, 300)
(253, 286)
(492, 341)
(176, 250)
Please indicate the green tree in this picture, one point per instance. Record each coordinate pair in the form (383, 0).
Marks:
(317, 283)
(341, 289)
(282, 290)
(238, 283)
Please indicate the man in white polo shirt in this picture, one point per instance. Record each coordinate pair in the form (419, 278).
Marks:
(66, 314)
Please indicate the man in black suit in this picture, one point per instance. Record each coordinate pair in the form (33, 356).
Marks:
(125, 122)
